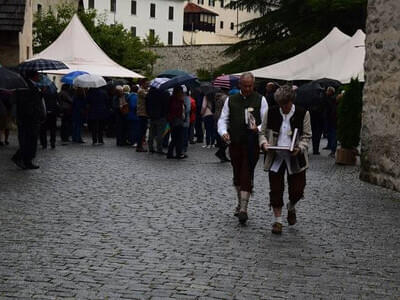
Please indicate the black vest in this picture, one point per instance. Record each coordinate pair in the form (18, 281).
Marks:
(238, 130)
(275, 119)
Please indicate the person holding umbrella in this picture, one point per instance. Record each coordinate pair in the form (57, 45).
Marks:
(176, 118)
(30, 113)
(238, 126)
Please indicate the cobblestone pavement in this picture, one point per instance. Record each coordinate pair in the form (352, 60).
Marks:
(110, 223)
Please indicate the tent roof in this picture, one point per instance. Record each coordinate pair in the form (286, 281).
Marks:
(337, 56)
(76, 48)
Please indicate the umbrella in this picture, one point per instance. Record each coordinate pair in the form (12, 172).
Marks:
(41, 65)
(156, 82)
(226, 81)
(207, 88)
(326, 82)
(309, 95)
(10, 80)
(46, 83)
(172, 73)
(89, 81)
(189, 80)
(69, 78)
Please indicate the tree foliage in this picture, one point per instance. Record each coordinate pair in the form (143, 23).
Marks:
(350, 115)
(290, 28)
(113, 39)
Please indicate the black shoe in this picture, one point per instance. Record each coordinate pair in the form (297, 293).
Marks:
(18, 162)
(326, 148)
(316, 153)
(6, 143)
(1, 144)
(170, 156)
(182, 156)
(53, 146)
(31, 166)
(242, 217)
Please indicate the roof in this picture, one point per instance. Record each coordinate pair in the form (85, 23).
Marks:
(195, 9)
(12, 15)
(76, 48)
(337, 56)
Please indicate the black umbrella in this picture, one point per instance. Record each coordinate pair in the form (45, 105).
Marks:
(309, 95)
(41, 65)
(207, 88)
(10, 80)
(327, 82)
(189, 80)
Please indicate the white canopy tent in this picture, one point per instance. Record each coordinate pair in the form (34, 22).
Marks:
(76, 48)
(338, 56)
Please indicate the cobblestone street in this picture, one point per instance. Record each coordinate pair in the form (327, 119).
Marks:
(111, 223)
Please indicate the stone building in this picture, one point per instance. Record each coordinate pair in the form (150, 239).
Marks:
(380, 153)
(15, 31)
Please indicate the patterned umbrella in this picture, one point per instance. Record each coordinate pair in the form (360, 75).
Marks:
(10, 80)
(69, 78)
(226, 81)
(41, 65)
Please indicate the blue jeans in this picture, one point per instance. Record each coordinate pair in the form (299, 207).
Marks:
(209, 125)
(332, 141)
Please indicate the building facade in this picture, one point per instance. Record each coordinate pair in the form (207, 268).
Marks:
(162, 18)
(45, 5)
(15, 31)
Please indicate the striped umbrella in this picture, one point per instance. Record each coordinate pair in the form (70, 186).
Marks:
(226, 81)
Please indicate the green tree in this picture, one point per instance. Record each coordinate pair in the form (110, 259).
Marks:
(114, 40)
(291, 27)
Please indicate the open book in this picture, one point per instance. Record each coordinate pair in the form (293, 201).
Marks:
(292, 144)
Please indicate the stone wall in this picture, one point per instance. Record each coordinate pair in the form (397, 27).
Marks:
(380, 155)
(190, 58)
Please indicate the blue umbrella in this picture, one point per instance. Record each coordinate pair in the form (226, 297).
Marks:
(69, 78)
(46, 83)
(189, 80)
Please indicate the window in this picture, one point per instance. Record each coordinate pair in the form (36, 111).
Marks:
(113, 5)
(211, 2)
(133, 7)
(171, 13)
(27, 52)
(152, 34)
(200, 1)
(222, 3)
(152, 10)
(170, 37)
(221, 24)
(232, 26)
(133, 31)
(91, 4)
(248, 9)
(39, 8)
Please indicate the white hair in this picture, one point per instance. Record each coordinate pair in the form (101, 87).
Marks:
(284, 94)
(246, 75)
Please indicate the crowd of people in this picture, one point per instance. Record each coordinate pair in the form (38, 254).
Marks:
(150, 119)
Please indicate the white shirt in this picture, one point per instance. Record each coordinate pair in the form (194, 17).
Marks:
(223, 121)
(284, 139)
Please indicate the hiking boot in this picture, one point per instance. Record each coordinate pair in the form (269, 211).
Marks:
(291, 216)
(276, 228)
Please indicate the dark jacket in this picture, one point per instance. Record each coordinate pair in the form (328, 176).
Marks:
(29, 104)
(176, 111)
(157, 103)
(51, 101)
(97, 104)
